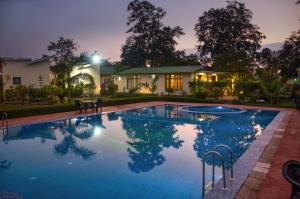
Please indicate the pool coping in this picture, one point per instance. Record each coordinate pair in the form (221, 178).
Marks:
(247, 162)
(243, 166)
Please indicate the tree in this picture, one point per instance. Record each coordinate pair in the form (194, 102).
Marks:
(2, 63)
(181, 58)
(290, 56)
(65, 62)
(150, 41)
(234, 63)
(227, 28)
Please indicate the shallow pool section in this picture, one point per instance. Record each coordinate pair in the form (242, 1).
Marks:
(152, 152)
(212, 109)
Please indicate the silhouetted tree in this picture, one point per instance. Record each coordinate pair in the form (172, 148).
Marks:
(150, 41)
(226, 28)
(290, 56)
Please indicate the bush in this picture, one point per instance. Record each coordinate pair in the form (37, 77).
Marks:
(10, 94)
(52, 93)
(170, 91)
(248, 91)
(207, 89)
(77, 91)
(112, 89)
(133, 90)
(34, 93)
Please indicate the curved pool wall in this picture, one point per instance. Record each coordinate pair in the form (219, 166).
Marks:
(212, 109)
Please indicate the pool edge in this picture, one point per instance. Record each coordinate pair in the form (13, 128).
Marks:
(246, 163)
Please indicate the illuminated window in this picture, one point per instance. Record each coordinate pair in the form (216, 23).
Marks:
(133, 82)
(174, 81)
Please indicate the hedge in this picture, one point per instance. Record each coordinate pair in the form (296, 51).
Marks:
(48, 109)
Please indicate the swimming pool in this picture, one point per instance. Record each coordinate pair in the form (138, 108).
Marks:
(152, 152)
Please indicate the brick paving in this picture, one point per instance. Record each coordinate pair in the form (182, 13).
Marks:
(275, 186)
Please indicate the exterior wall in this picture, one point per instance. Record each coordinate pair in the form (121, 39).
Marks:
(92, 70)
(121, 81)
(30, 74)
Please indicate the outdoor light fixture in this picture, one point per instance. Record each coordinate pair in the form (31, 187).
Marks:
(96, 58)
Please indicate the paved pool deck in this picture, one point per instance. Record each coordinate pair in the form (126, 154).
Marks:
(265, 180)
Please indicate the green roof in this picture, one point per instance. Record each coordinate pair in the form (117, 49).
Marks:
(107, 70)
(162, 70)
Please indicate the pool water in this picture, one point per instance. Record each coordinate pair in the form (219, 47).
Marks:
(152, 152)
(212, 109)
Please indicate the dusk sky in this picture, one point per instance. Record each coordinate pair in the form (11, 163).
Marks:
(27, 26)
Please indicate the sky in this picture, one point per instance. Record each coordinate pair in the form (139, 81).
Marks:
(27, 26)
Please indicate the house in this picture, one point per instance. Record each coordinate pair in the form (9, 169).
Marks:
(25, 71)
(36, 73)
(176, 78)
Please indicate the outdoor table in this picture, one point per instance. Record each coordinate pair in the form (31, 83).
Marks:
(88, 104)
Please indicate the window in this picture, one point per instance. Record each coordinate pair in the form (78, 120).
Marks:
(133, 82)
(174, 81)
(16, 80)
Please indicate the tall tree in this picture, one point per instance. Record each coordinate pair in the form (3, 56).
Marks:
(290, 56)
(269, 59)
(227, 28)
(150, 41)
(2, 63)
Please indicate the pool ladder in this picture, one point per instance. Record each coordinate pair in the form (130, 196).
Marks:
(4, 126)
(215, 153)
(4, 120)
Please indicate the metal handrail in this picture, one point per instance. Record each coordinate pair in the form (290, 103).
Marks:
(5, 135)
(231, 157)
(4, 119)
(214, 153)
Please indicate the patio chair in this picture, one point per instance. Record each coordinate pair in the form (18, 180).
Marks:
(291, 172)
(98, 104)
(79, 106)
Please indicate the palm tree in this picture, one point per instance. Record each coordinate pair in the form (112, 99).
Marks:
(65, 62)
(63, 73)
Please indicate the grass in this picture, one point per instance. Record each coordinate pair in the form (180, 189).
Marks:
(23, 110)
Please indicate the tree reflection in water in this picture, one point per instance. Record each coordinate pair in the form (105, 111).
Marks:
(238, 135)
(82, 129)
(147, 141)
(5, 164)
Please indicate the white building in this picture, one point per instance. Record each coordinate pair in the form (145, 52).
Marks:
(176, 78)
(25, 71)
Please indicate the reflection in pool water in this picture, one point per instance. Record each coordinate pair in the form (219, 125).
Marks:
(152, 152)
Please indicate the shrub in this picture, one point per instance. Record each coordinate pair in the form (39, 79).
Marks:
(170, 91)
(34, 93)
(21, 92)
(10, 94)
(52, 93)
(112, 89)
(248, 90)
(133, 90)
(77, 91)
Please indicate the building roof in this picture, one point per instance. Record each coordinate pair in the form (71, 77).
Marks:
(43, 59)
(15, 59)
(163, 70)
(107, 70)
